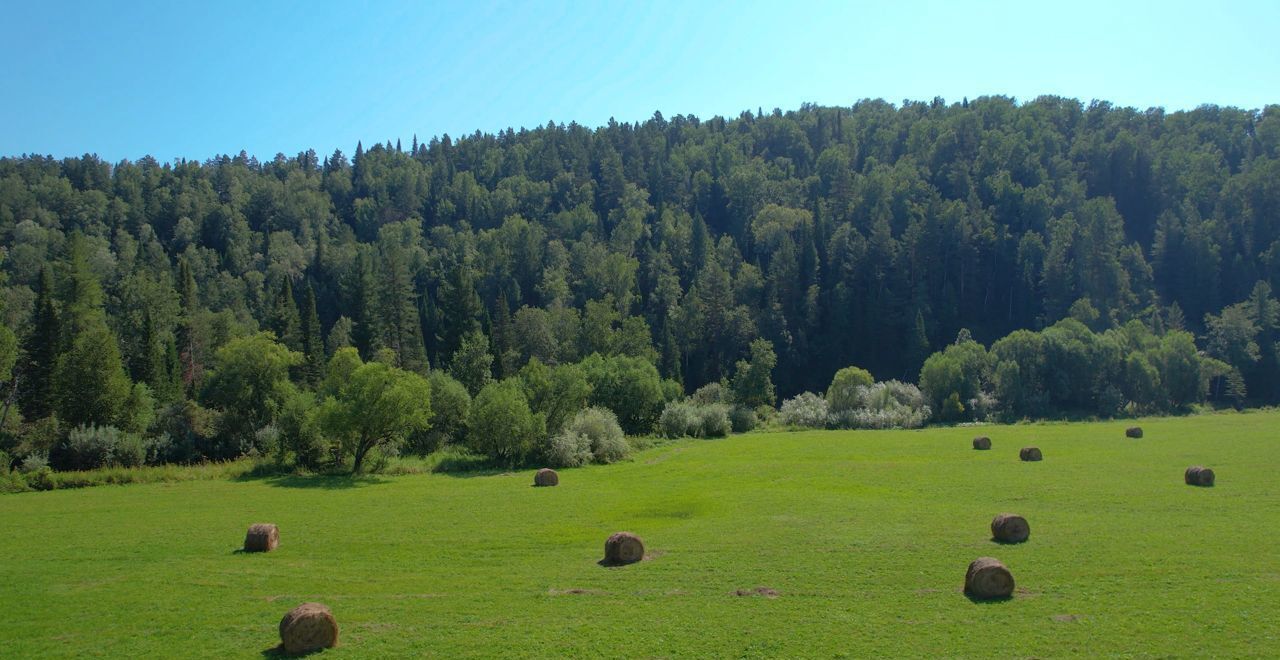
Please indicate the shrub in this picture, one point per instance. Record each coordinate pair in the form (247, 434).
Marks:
(743, 419)
(713, 421)
(709, 393)
(89, 447)
(450, 405)
(191, 427)
(672, 390)
(34, 463)
(600, 427)
(842, 394)
(886, 405)
(807, 410)
(568, 449)
(300, 432)
(42, 479)
(682, 418)
(678, 419)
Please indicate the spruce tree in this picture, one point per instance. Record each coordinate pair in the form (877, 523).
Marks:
(283, 317)
(189, 341)
(41, 350)
(460, 308)
(398, 310)
(312, 344)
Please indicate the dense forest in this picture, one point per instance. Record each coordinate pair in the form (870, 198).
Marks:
(1054, 258)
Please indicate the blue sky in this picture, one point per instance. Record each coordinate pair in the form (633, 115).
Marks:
(133, 78)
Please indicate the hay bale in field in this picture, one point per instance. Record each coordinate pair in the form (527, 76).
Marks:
(1198, 475)
(1133, 432)
(988, 579)
(261, 537)
(623, 548)
(308, 627)
(982, 442)
(1010, 528)
(1030, 454)
(546, 477)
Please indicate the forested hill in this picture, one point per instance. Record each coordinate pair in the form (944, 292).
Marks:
(868, 235)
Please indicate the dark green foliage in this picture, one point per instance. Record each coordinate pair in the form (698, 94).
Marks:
(1046, 228)
(41, 348)
(313, 352)
(752, 383)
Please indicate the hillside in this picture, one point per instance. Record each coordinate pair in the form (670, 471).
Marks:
(863, 538)
(1037, 260)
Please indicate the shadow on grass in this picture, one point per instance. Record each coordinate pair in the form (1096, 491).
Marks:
(986, 601)
(319, 481)
(469, 465)
(278, 652)
(1000, 542)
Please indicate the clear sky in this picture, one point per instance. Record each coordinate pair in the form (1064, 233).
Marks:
(126, 79)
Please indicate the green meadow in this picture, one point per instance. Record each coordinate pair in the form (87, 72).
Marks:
(807, 544)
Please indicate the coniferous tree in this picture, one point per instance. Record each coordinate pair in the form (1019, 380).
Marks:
(312, 346)
(401, 323)
(460, 308)
(284, 319)
(190, 343)
(41, 349)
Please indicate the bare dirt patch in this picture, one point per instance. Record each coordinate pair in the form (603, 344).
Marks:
(767, 592)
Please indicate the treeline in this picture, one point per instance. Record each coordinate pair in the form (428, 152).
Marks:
(869, 235)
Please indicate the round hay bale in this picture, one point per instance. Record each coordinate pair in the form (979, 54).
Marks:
(982, 442)
(261, 537)
(546, 477)
(308, 627)
(1010, 528)
(1030, 454)
(988, 579)
(1198, 475)
(1133, 432)
(623, 548)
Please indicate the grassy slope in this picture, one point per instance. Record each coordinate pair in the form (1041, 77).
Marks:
(864, 535)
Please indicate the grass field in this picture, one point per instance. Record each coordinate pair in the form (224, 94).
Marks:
(864, 537)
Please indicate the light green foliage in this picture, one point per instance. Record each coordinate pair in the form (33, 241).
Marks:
(472, 363)
(89, 383)
(696, 420)
(450, 407)
(963, 369)
(805, 410)
(557, 393)
(567, 449)
(376, 408)
(842, 394)
(250, 381)
(599, 427)
(88, 447)
(501, 425)
(300, 434)
(629, 386)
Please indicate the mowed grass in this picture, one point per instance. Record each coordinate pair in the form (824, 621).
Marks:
(864, 537)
